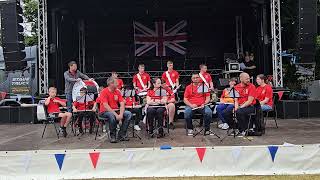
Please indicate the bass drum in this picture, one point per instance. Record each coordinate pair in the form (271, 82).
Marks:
(92, 88)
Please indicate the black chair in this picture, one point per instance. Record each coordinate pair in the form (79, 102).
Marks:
(46, 118)
(102, 120)
(274, 111)
(257, 116)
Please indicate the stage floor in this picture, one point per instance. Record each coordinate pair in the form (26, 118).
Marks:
(21, 137)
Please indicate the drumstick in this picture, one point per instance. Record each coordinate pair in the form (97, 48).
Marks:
(200, 106)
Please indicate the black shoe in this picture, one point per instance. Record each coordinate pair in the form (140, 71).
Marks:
(123, 138)
(80, 130)
(64, 132)
(90, 130)
(113, 139)
(160, 133)
(171, 126)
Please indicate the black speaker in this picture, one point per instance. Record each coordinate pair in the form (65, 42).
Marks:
(12, 36)
(307, 30)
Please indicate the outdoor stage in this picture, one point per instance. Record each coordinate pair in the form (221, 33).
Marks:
(22, 137)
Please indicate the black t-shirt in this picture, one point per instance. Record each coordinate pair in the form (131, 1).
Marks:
(251, 72)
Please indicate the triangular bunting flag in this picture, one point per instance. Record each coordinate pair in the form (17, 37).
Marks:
(130, 156)
(60, 159)
(280, 94)
(273, 151)
(236, 151)
(26, 162)
(201, 152)
(94, 158)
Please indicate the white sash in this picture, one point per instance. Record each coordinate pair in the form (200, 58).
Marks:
(170, 80)
(204, 80)
(141, 82)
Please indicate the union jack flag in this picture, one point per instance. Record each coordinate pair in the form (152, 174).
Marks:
(161, 39)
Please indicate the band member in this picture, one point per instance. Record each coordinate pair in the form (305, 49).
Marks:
(194, 99)
(71, 76)
(53, 103)
(245, 105)
(171, 77)
(141, 81)
(171, 107)
(110, 97)
(227, 103)
(205, 77)
(156, 107)
(86, 105)
(120, 82)
(264, 93)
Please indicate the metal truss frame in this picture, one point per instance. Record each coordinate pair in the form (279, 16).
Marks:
(43, 47)
(43, 50)
(276, 43)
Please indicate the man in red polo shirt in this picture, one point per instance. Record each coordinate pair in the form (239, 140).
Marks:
(205, 77)
(171, 77)
(109, 98)
(245, 105)
(194, 99)
(141, 81)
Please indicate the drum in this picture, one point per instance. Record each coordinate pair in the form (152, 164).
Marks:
(92, 88)
(141, 94)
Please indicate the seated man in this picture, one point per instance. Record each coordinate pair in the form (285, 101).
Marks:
(226, 103)
(245, 104)
(194, 99)
(109, 98)
(53, 103)
(81, 105)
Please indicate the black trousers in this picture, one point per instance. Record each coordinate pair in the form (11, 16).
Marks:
(242, 115)
(90, 115)
(138, 112)
(155, 113)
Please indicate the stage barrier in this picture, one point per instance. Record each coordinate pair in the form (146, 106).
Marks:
(163, 161)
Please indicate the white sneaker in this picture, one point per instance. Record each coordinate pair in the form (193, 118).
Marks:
(225, 126)
(220, 125)
(137, 128)
(190, 132)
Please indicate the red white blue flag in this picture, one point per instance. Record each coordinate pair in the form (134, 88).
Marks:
(160, 39)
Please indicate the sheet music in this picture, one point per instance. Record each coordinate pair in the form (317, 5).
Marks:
(233, 93)
(87, 98)
(161, 93)
(128, 93)
(203, 89)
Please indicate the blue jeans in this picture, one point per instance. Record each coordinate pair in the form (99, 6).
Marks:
(206, 113)
(127, 115)
(221, 109)
(266, 107)
(69, 102)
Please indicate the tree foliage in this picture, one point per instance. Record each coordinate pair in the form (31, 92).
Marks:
(31, 15)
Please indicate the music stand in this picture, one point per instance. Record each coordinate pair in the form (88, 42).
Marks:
(130, 93)
(203, 89)
(86, 97)
(161, 92)
(234, 94)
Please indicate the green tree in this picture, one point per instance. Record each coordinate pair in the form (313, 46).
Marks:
(31, 14)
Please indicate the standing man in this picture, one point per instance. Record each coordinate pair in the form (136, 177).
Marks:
(71, 76)
(245, 105)
(119, 81)
(141, 81)
(194, 99)
(171, 77)
(205, 77)
(110, 97)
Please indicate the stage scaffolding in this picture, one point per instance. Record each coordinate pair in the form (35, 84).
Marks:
(43, 46)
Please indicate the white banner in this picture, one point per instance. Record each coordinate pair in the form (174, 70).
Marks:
(150, 162)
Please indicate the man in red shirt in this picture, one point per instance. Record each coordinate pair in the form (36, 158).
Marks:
(194, 99)
(53, 103)
(205, 77)
(141, 81)
(119, 81)
(109, 98)
(244, 105)
(171, 77)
